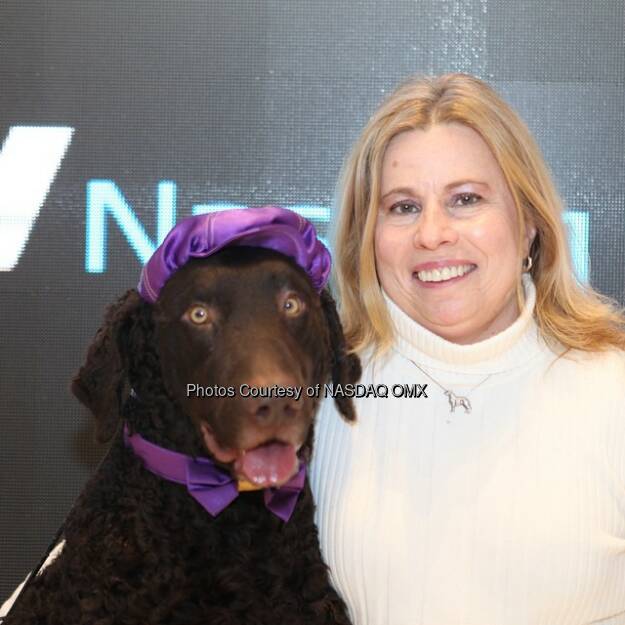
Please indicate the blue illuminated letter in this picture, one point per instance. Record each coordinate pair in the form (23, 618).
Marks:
(104, 196)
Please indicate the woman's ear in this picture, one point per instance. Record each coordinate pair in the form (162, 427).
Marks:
(530, 237)
(345, 367)
(102, 384)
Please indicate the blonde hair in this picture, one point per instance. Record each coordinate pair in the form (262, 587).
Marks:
(566, 312)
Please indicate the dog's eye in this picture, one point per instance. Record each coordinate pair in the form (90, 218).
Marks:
(292, 305)
(198, 314)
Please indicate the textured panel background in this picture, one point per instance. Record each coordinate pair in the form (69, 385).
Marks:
(248, 102)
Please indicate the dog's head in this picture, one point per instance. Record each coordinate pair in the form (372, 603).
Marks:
(231, 360)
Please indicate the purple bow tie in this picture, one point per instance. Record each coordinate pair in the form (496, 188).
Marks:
(212, 487)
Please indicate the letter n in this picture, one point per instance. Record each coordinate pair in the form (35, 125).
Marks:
(104, 198)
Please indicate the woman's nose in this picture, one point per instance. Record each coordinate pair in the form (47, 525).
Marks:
(435, 227)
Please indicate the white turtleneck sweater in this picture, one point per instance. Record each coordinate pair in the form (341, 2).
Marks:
(513, 514)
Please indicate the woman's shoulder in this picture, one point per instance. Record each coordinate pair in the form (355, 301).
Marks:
(609, 363)
(598, 377)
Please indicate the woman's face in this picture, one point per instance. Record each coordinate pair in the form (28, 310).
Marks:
(446, 238)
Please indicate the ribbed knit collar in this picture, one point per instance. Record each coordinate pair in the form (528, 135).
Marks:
(512, 347)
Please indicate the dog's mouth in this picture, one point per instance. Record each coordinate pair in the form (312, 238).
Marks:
(270, 464)
(263, 463)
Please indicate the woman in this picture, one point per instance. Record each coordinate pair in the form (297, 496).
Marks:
(498, 499)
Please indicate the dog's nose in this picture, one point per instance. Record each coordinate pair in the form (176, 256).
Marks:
(273, 398)
(271, 409)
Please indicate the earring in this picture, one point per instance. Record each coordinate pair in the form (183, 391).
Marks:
(527, 264)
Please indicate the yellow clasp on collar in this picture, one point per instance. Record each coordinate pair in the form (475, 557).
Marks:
(245, 485)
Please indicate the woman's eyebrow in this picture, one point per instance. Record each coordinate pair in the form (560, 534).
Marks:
(458, 183)
(451, 185)
(402, 190)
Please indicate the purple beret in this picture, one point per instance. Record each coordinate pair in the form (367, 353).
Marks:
(272, 227)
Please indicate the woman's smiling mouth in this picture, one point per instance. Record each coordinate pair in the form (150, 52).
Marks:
(432, 274)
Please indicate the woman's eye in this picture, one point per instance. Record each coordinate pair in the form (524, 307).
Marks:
(466, 199)
(292, 305)
(198, 314)
(404, 208)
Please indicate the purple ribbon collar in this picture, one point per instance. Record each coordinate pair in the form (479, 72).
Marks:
(211, 486)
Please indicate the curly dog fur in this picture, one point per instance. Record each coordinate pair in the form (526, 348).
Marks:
(138, 549)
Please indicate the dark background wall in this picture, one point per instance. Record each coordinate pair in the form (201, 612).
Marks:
(244, 102)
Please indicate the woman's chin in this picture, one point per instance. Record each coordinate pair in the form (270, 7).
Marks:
(455, 328)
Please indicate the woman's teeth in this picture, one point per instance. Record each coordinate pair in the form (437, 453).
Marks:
(446, 273)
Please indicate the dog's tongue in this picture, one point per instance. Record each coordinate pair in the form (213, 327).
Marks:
(273, 463)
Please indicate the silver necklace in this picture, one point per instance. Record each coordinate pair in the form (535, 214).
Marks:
(455, 401)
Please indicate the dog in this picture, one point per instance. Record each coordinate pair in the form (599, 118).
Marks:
(457, 401)
(179, 375)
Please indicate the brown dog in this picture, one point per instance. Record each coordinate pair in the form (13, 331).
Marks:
(138, 548)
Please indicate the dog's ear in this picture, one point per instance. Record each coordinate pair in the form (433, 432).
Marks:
(345, 367)
(102, 384)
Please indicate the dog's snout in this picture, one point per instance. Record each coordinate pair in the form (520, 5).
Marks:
(269, 409)
(273, 397)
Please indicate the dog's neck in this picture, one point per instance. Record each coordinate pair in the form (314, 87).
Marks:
(164, 424)
(212, 487)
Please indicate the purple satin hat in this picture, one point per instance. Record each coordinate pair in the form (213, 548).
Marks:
(271, 227)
